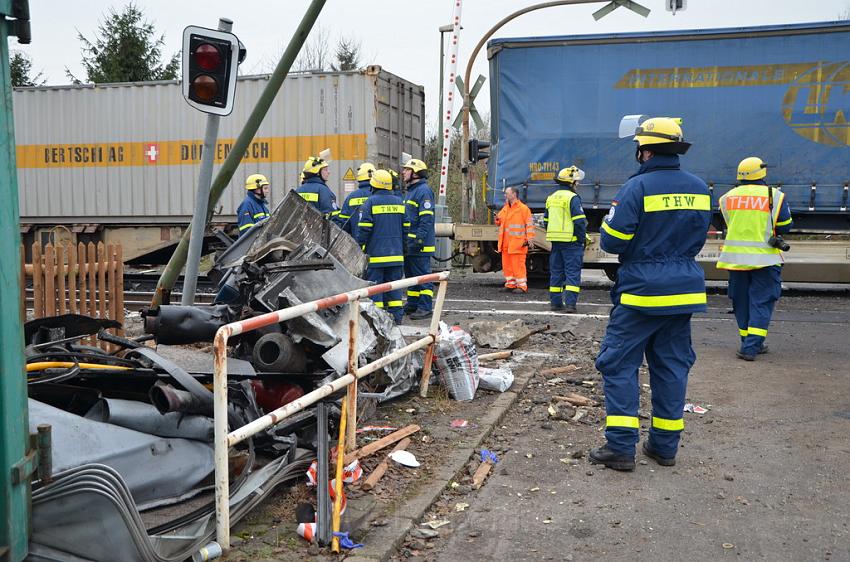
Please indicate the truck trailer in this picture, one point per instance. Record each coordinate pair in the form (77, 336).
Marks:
(120, 162)
(778, 92)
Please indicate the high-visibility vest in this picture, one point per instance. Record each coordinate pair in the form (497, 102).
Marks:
(746, 210)
(559, 227)
(515, 228)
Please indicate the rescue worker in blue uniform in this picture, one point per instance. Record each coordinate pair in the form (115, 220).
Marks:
(657, 224)
(254, 209)
(314, 188)
(755, 214)
(566, 229)
(382, 232)
(348, 213)
(421, 240)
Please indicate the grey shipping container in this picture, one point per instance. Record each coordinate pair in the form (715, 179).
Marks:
(128, 154)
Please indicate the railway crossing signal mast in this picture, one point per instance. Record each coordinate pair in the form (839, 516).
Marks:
(210, 59)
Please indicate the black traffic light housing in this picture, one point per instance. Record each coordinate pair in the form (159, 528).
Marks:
(478, 150)
(210, 59)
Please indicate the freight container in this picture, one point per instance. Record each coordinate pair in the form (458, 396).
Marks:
(778, 92)
(115, 156)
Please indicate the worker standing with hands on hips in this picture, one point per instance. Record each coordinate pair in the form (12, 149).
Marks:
(348, 213)
(657, 225)
(756, 216)
(314, 188)
(516, 231)
(382, 232)
(566, 229)
(421, 239)
(254, 209)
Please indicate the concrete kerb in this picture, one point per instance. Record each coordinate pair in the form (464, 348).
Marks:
(382, 542)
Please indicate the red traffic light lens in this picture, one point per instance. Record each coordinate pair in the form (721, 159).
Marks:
(207, 56)
(205, 87)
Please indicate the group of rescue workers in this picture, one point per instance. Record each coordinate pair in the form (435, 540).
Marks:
(657, 224)
(396, 231)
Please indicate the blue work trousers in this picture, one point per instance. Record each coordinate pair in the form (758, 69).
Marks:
(754, 294)
(666, 343)
(565, 262)
(391, 300)
(419, 296)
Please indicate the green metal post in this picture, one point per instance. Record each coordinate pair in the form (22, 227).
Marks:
(234, 157)
(14, 494)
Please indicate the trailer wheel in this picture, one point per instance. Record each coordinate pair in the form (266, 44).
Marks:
(611, 272)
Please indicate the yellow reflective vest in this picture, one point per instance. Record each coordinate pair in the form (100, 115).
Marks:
(746, 210)
(559, 227)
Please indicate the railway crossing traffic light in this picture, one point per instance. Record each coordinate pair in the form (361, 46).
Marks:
(210, 58)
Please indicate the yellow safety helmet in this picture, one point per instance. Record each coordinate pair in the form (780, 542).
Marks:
(569, 176)
(256, 181)
(418, 167)
(662, 135)
(752, 168)
(365, 171)
(381, 179)
(314, 164)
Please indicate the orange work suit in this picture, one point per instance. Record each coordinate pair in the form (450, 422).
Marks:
(516, 231)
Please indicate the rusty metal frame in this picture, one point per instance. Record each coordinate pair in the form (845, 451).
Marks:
(224, 439)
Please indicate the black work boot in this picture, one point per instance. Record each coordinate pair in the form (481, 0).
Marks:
(763, 349)
(745, 356)
(420, 314)
(611, 459)
(571, 308)
(663, 461)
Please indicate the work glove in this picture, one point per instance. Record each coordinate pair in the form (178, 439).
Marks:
(525, 244)
(587, 240)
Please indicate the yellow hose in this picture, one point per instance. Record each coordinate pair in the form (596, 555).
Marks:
(41, 366)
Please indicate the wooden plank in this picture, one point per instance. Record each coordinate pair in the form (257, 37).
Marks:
(49, 280)
(110, 288)
(72, 278)
(37, 282)
(495, 356)
(376, 475)
(434, 331)
(575, 399)
(351, 391)
(81, 267)
(91, 255)
(60, 277)
(385, 441)
(559, 370)
(101, 280)
(119, 281)
(481, 474)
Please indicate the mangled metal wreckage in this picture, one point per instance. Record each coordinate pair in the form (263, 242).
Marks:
(132, 429)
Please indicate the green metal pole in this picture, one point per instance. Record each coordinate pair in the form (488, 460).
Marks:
(234, 157)
(14, 495)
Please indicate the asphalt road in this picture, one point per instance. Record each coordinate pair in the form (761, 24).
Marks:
(762, 475)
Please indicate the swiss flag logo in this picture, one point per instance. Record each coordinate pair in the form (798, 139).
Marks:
(151, 153)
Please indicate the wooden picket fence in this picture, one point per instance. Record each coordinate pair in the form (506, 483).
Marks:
(81, 279)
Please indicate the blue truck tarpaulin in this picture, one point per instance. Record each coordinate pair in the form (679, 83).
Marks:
(779, 92)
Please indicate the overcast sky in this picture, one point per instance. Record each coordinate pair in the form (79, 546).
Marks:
(400, 35)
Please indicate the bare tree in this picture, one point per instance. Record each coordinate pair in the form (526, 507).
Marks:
(347, 53)
(845, 15)
(315, 54)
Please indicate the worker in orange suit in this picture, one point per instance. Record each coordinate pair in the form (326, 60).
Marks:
(516, 231)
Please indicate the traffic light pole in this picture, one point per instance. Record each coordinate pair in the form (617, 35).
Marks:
(199, 219)
(234, 157)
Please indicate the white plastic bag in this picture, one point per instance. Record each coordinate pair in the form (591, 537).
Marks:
(498, 380)
(456, 362)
